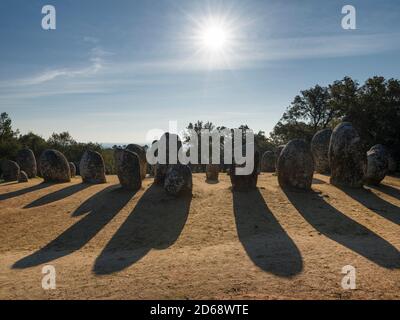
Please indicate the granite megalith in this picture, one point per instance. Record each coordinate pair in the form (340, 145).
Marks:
(377, 165)
(320, 149)
(178, 179)
(54, 166)
(347, 158)
(92, 168)
(296, 165)
(128, 168)
(27, 162)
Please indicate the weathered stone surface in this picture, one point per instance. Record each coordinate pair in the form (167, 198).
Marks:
(128, 168)
(212, 172)
(277, 155)
(160, 169)
(27, 162)
(320, 149)
(296, 165)
(92, 168)
(54, 166)
(142, 157)
(178, 179)
(245, 182)
(346, 157)
(22, 177)
(10, 170)
(377, 165)
(268, 161)
(72, 168)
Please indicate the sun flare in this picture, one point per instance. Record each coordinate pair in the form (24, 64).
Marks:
(214, 38)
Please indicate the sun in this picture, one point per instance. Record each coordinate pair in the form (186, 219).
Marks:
(214, 38)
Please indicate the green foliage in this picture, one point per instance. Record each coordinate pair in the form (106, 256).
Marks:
(373, 108)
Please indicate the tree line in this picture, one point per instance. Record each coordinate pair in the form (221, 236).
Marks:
(373, 108)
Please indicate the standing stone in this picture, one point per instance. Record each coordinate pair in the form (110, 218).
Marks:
(268, 161)
(346, 157)
(212, 172)
(22, 177)
(54, 166)
(142, 158)
(377, 165)
(10, 170)
(320, 149)
(92, 168)
(72, 168)
(161, 167)
(160, 170)
(245, 182)
(27, 162)
(296, 165)
(178, 179)
(128, 168)
(277, 155)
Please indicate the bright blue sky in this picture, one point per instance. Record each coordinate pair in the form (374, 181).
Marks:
(112, 70)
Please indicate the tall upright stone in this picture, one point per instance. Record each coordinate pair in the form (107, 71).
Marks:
(142, 158)
(54, 166)
(268, 161)
(128, 168)
(296, 165)
(72, 168)
(92, 168)
(346, 157)
(212, 172)
(178, 179)
(27, 162)
(245, 182)
(161, 167)
(10, 170)
(320, 149)
(377, 165)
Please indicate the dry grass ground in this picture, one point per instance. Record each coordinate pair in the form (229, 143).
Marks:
(265, 244)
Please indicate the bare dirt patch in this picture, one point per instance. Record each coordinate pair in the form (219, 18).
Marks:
(265, 244)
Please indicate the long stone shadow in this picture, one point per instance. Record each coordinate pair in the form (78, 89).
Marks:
(266, 243)
(375, 203)
(155, 223)
(104, 205)
(389, 190)
(58, 195)
(21, 192)
(337, 226)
